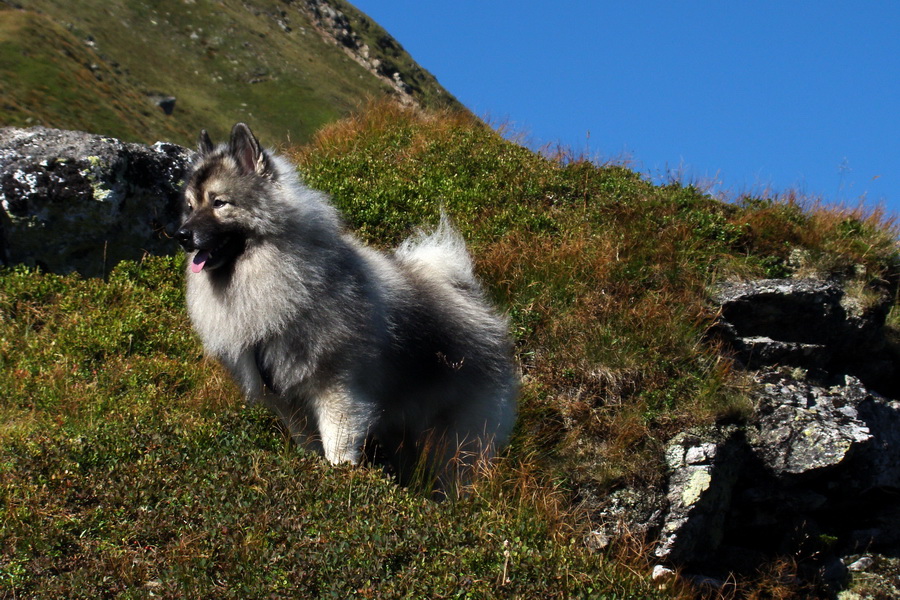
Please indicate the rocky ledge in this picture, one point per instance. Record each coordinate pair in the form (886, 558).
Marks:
(74, 201)
(815, 475)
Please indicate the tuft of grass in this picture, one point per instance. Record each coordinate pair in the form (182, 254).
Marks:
(795, 235)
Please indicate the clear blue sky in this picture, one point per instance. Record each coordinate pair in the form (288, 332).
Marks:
(766, 94)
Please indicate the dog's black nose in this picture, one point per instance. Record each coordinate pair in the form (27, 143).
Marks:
(185, 237)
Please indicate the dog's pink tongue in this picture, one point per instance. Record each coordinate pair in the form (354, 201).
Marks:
(199, 261)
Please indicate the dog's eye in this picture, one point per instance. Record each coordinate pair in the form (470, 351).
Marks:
(214, 199)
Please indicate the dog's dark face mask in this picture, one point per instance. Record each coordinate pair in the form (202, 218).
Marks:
(212, 244)
(212, 227)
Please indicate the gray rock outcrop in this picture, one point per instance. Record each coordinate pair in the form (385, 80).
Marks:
(335, 26)
(802, 322)
(803, 428)
(815, 474)
(703, 467)
(74, 201)
(815, 477)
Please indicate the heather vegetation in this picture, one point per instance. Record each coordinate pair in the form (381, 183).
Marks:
(129, 466)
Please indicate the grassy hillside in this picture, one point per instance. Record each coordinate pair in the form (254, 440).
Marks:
(96, 65)
(48, 76)
(129, 467)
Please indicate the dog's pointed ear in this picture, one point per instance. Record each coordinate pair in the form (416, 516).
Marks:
(246, 151)
(204, 144)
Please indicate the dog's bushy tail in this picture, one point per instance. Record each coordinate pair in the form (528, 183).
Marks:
(441, 254)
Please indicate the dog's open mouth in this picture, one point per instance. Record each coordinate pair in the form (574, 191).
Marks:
(224, 253)
(199, 261)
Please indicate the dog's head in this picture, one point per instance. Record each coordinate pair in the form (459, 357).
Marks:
(222, 199)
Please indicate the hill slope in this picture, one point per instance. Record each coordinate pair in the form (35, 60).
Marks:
(284, 67)
(128, 465)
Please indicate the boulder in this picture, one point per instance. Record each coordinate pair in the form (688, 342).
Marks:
(703, 468)
(803, 428)
(74, 201)
(800, 322)
(814, 476)
(815, 473)
(811, 324)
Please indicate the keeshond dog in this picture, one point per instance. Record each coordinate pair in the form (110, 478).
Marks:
(396, 358)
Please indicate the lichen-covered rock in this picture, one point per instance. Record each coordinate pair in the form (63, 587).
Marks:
(788, 310)
(703, 468)
(800, 322)
(73, 201)
(803, 428)
(815, 473)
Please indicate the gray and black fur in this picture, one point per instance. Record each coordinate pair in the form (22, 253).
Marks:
(352, 348)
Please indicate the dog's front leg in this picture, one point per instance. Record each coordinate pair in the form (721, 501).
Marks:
(343, 423)
(293, 413)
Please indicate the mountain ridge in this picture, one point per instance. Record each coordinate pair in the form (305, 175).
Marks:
(285, 67)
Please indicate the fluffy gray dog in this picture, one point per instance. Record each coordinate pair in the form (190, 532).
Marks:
(354, 349)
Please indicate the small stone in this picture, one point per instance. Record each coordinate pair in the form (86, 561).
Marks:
(597, 540)
(861, 564)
